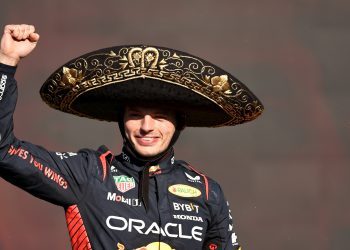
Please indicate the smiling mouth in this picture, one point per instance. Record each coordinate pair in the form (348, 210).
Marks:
(147, 141)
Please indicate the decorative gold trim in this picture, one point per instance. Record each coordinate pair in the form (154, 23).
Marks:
(71, 76)
(120, 64)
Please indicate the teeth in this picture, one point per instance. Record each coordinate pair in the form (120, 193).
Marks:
(147, 138)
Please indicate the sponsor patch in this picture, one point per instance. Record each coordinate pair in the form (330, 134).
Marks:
(213, 246)
(187, 217)
(155, 170)
(185, 207)
(65, 155)
(156, 246)
(125, 157)
(46, 171)
(114, 169)
(134, 202)
(196, 179)
(171, 230)
(120, 246)
(230, 227)
(184, 190)
(2, 85)
(124, 183)
(234, 239)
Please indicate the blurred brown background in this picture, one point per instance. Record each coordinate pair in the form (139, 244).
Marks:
(286, 174)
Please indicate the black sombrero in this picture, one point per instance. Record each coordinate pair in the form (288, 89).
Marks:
(96, 84)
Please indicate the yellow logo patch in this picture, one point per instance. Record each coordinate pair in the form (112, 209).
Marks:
(156, 246)
(184, 190)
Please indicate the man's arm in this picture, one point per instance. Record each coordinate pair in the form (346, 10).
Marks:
(220, 234)
(17, 42)
(60, 178)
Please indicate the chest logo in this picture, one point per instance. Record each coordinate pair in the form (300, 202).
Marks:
(156, 246)
(124, 183)
(184, 190)
(190, 178)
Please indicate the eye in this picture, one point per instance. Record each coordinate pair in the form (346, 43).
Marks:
(163, 117)
(134, 115)
(160, 117)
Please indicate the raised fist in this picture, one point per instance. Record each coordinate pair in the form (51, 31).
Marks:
(17, 42)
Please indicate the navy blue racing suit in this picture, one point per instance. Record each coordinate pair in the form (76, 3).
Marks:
(100, 192)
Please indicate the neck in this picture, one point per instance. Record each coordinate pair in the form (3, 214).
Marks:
(146, 161)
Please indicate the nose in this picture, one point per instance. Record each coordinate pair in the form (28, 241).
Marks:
(147, 123)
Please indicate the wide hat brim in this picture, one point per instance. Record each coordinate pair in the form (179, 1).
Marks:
(98, 84)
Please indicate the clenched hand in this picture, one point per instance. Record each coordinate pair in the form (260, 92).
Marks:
(17, 42)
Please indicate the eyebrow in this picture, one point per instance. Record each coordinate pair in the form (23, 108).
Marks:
(151, 110)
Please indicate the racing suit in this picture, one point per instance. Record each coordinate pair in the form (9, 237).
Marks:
(100, 195)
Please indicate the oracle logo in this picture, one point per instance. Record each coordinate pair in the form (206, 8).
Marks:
(172, 230)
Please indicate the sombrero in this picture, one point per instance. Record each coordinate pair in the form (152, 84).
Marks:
(97, 84)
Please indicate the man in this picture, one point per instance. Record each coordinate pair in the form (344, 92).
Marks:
(142, 198)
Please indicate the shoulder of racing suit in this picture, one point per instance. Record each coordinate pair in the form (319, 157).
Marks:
(211, 187)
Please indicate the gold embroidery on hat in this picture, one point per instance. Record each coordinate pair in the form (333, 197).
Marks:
(111, 53)
(144, 58)
(71, 76)
(150, 58)
(134, 57)
(220, 84)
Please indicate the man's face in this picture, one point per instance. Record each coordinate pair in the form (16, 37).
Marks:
(149, 129)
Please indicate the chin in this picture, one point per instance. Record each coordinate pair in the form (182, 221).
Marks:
(148, 153)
